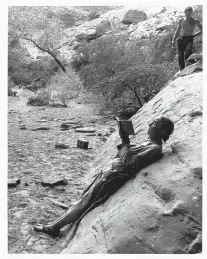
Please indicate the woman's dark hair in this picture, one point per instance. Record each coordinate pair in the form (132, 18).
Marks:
(163, 123)
(188, 9)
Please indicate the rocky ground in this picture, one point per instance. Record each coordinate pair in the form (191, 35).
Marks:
(33, 156)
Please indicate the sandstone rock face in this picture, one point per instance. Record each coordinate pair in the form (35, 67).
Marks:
(159, 211)
(150, 27)
(133, 16)
(196, 67)
(93, 29)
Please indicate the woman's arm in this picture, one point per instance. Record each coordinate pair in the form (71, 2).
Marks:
(152, 154)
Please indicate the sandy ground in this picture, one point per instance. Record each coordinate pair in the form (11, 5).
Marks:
(33, 156)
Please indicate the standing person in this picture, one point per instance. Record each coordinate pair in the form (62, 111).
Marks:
(186, 28)
(128, 162)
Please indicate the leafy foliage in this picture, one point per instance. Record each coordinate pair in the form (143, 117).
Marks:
(124, 71)
(40, 99)
(63, 87)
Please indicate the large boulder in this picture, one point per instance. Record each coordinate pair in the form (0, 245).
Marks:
(196, 67)
(92, 29)
(161, 22)
(159, 211)
(195, 57)
(133, 16)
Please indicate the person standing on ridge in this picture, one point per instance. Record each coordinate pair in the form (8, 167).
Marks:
(186, 28)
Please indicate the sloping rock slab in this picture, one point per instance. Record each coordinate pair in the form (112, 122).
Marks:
(159, 211)
(197, 67)
(195, 56)
(133, 16)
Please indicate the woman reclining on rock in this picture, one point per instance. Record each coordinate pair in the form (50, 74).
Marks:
(128, 162)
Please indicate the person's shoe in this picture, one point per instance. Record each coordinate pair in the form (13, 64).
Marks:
(45, 229)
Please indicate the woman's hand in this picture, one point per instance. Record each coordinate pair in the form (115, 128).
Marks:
(124, 137)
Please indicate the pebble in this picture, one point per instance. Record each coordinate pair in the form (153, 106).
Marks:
(53, 182)
(41, 121)
(25, 229)
(85, 130)
(61, 146)
(13, 182)
(32, 240)
(22, 127)
(18, 214)
(41, 128)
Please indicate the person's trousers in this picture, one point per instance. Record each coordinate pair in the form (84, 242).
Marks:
(185, 49)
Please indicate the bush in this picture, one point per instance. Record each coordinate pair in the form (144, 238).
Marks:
(25, 70)
(40, 99)
(78, 61)
(63, 87)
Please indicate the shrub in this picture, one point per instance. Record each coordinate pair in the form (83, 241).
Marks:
(78, 61)
(138, 84)
(25, 70)
(63, 87)
(40, 99)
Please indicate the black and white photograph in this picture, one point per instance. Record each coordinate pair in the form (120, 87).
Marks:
(104, 128)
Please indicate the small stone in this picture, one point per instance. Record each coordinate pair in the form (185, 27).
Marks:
(22, 127)
(13, 182)
(197, 172)
(61, 146)
(85, 130)
(64, 126)
(195, 198)
(91, 134)
(53, 182)
(25, 229)
(64, 129)
(195, 113)
(41, 128)
(32, 240)
(17, 214)
(82, 144)
(41, 121)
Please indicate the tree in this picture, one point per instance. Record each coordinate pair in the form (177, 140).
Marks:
(35, 25)
(143, 81)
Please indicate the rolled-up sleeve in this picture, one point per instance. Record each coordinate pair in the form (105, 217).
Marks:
(152, 154)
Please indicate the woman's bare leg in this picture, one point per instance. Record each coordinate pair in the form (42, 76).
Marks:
(72, 214)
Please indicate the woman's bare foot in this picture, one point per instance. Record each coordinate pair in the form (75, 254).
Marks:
(47, 229)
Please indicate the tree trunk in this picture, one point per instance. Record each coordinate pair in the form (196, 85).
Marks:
(137, 96)
(49, 52)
